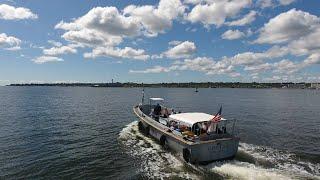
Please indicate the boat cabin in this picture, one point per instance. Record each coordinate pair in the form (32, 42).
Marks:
(192, 125)
(197, 125)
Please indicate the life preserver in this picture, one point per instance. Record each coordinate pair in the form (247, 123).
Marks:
(146, 130)
(140, 126)
(186, 155)
(143, 129)
(163, 140)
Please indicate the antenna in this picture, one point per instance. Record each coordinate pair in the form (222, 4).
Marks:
(142, 100)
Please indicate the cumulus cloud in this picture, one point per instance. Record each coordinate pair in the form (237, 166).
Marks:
(288, 26)
(306, 44)
(46, 59)
(299, 32)
(256, 58)
(312, 59)
(9, 42)
(54, 51)
(232, 34)
(216, 12)
(273, 3)
(174, 43)
(126, 52)
(104, 28)
(155, 69)
(265, 3)
(15, 48)
(156, 19)
(8, 12)
(258, 68)
(55, 43)
(181, 50)
(100, 26)
(247, 19)
(286, 67)
(108, 26)
(207, 65)
(91, 38)
(286, 2)
(201, 64)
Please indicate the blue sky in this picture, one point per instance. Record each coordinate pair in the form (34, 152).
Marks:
(159, 41)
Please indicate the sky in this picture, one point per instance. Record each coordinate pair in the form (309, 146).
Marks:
(159, 41)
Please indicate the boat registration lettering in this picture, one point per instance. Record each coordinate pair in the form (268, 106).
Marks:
(215, 147)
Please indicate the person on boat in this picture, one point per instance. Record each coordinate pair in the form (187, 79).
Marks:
(157, 112)
(166, 113)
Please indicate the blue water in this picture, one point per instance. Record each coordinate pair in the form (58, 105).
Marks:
(83, 132)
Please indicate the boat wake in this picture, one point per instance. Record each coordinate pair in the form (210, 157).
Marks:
(251, 162)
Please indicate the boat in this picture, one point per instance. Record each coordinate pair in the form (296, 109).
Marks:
(188, 133)
(196, 90)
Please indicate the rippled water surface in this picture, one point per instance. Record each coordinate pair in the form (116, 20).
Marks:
(86, 133)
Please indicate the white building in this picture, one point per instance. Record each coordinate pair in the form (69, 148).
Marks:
(315, 86)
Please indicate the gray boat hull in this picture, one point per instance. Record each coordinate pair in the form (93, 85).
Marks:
(193, 152)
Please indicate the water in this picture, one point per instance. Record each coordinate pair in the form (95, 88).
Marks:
(91, 133)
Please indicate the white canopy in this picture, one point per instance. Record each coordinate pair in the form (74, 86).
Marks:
(191, 118)
(156, 99)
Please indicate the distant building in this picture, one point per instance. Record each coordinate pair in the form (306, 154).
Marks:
(297, 85)
(315, 86)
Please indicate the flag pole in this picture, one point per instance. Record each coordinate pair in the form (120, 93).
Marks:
(142, 100)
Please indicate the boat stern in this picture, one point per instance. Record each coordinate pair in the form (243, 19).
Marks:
(205, 152)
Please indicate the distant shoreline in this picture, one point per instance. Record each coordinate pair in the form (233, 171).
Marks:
(255, 85)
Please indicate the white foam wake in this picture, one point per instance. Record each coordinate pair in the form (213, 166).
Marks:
(257, 162)
(156, 162)
(282, 161)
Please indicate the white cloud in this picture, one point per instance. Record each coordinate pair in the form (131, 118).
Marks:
(248, 58)
(306, 44)
(155, 69)
(288, 26)
(91, 38)
(286, 67)
(174, 43)
(301, 33)
(126, 52)
(199, 64)
(55, 43)
(108, 26)
(312, 59)
(273, 3)
(258, 68)
(54, 51)
(216, 12)
(8, 12)
(156, 19)
(257, 58)
(265, 3)
(46, 59)
(192, 1)
(286, 2)
(232, 34)
(9, 42)
(181, 50)
(14, 48)
(100, 26)
(104, 28)
(247, 19)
